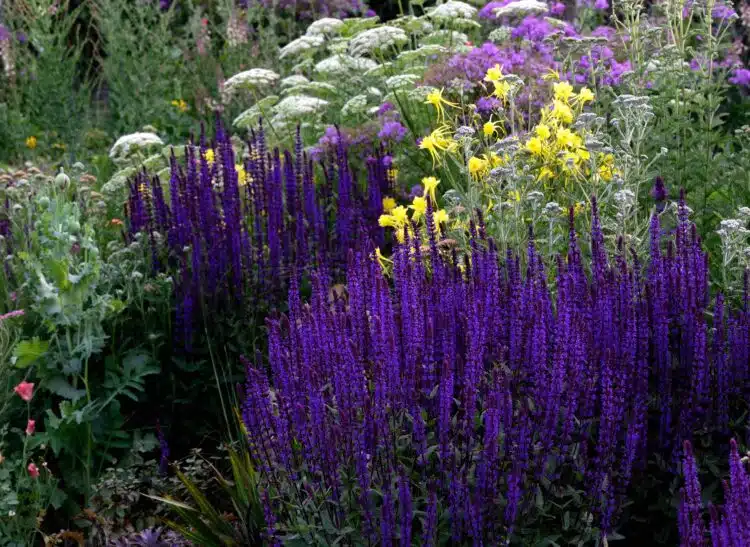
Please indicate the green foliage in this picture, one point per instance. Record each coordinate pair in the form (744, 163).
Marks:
(202, 522)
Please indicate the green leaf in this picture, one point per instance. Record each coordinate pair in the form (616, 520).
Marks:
(57, 498)
(60, 386)
(27, 352)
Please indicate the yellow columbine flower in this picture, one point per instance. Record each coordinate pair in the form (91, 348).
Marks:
(564, 137)
(382, 260)
(397, 219)
(477, 167)
(583, 154)
(180, 105)
(514, 195)
(210, 156)
(31, 142)
(579, 208)
(489, 128)
(563, 91)
(585, 95)
(551, 75)
(494, 74)
(399, 213)
(534, 145)
(436, 142)
(440, 217)
(562, 112)
(430, 185)
(435, 98)
(493, 160)
(388, 204)
(607, 169)
(419, 206)
(241, 174)
(545, 173)
(542, 131)
(501, 90)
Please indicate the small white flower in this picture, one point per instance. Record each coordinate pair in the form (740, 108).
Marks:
(251, 116)
(355, 105)
(11, 513)
(327, 25)
(625, 198)
(744, 212)
(298, 106)
(400, 81)
(446, 37)
(293, 80)
(301, 45)
(731, 225)
(250, 79)
(377, 39)
(122, 146)
(338, 65)
(535, 196)
(553, 209)
(521, 8)
(452, 10)
(422, 52)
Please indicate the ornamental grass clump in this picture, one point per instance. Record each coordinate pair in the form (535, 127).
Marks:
(235, 228)
(468, 402)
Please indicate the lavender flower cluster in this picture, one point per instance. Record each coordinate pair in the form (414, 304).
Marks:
(468, 390)
(729, 525)
(237, 231)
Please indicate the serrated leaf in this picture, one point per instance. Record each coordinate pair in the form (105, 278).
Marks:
(60, 386)
(27, 352)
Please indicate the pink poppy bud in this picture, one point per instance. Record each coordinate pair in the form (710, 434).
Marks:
(25, 390)
(33, 470)
(31, 427)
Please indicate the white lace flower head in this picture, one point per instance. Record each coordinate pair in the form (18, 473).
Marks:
(302, 44)
(344, 65)
(298, 106)
(250, 79)
(326, 25)
(293, 80)
(124, 144)
(453, 10)
(377, 39)
(521, 8)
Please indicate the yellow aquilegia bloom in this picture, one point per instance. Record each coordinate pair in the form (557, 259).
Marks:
(180, 105)
(241, 174)
(430, 185)
(563, 91)
(489, 128)
(31, 142)
(436, 99)
(389, 204)
(535, 146)
(440, 217)
(438, 142)
(494, 74)
(562, 112)
(585, 95)
(396, 219)
(478, 167)
(419, 206)
(542, 131)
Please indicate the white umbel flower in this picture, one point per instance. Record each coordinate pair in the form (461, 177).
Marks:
(521, 8)
(344, 65)
(301, 45)
(377, 39)
(400, 81)
(355, 105)
(326, 25)
(452, 10)
(445, 37)
(293, 80)
(421, 53)
(251, 116)
(124, 144)
(250, 79)
(299, 106)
